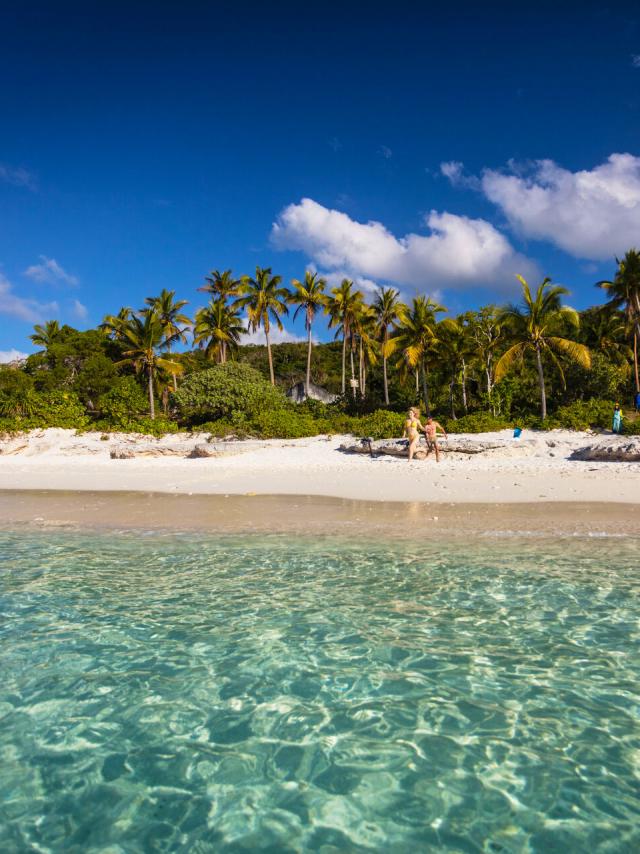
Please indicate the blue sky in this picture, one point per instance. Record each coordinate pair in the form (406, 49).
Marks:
(142, 145)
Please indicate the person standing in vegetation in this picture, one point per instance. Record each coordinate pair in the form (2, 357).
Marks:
(636, 401)
(617, 419)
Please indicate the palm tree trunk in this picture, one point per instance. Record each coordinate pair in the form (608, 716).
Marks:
(464, 386)
(308, 381)
(635, 359)
(425, 389)
(417, 382)
(175, 379)
(266, 335)
(344, 363)
(386, 383)
(152, 406)
(384, 369)
(451, 388)
(543, 394)
(353, 373)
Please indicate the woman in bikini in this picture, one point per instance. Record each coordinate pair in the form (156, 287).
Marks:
(412, 430)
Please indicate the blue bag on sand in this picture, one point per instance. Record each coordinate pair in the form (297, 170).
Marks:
(517, 432)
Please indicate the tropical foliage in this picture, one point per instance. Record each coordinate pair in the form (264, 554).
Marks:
(481, 370)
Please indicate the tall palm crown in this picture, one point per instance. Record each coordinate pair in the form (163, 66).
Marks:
(343, 307)
(416, 338)
(218, 329)
(624, 294)
(604, 330)
(169, 313)
(222, 284)
(143, 336)
(389, 310)
(536, 327)
(309, 297)
(45, 335)
(265, 301)
(113, 323)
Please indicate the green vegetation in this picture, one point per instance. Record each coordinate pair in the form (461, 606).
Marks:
(537, 364)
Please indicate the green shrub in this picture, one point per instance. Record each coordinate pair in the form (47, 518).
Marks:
(223, 428)
(123, 404)
(285, 424)
(582, 415)
(38, 410)
(478, 422)
(381, 424)
(226, 392)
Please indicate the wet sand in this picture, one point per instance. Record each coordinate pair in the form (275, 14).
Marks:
(310, 514)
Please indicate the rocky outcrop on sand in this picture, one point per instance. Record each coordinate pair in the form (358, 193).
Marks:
(614, 449)
(453, 445)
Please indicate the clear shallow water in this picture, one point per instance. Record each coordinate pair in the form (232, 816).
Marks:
(238, 694)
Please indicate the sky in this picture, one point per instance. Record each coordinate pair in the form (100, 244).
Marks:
(438, 148)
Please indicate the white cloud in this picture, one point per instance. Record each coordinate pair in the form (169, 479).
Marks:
(79, 311)
(17, 176)
(454, 171)
(7, 356)
(276, 336)
(22, 308)
(459, 252)
(49, 272)
(635, 60)
(592, 214)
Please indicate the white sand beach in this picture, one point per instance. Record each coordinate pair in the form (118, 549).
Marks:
(536, 468)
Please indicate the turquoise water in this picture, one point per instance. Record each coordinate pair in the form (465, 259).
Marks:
(194, 694)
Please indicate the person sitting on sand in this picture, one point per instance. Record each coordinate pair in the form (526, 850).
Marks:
(431, 434)
(412, 430)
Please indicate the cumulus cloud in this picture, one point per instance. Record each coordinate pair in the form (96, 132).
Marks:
(14, 355)
(22, 308)
(276, 336)
(49, 272)
(458, 252)
(79, 311)
(17, 176)
(592, 214)
(454, 171)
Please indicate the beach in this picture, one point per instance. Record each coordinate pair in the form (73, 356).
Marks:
(56, 477)
(536, 468)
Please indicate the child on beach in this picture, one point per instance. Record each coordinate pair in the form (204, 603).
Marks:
(431, 434)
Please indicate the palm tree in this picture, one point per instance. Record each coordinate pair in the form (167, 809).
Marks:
(46, 335)
(113, 323)
(218, 328)
(416, 339)
(624, 294)
(222, 284)
(265, 301)
(173, 323)
(144, 336)
(364, 331)
(605, 331)
(535, 327)
(343, 307)
(389, 311)
(308, 296)
(454, 349)
(485, 330)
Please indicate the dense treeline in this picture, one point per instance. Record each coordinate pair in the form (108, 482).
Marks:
(152, 370)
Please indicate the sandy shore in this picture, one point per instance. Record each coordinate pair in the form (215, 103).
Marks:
(311, 515)
(535, 470)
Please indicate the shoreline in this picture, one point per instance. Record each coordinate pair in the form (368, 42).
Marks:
(537, 469)
(300, 515)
